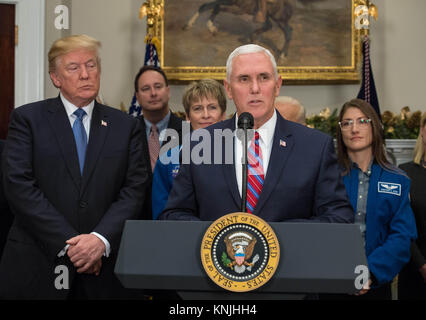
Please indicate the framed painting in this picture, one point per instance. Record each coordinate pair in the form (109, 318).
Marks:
(313, 41)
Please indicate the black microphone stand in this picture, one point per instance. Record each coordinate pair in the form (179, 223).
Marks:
(244, 166)
(245, 122)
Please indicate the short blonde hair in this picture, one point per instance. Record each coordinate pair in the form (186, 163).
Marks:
(419, 150)
(68, 44)
(206, 88)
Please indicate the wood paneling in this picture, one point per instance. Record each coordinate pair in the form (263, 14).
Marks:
(7, 65)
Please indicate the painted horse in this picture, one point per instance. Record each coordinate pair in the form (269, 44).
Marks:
(278, 11)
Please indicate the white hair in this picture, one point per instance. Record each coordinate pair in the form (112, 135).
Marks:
(289, 100)
(246, 49)
(285, 100)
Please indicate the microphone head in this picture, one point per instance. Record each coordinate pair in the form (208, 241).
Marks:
(245, 121)
(245, 124)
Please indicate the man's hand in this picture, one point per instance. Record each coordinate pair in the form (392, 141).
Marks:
(422, 271)
(96, 268)
(85, 252)
(365, 288)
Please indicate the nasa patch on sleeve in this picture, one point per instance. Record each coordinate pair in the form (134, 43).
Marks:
(388, 187)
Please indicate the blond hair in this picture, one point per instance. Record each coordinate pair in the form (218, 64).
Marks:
(206, 88)
(419, 150)
(68, 44)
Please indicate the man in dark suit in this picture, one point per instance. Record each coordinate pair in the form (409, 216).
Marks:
(72, 175)
(6, 216)
(159, 125)
(293, 172)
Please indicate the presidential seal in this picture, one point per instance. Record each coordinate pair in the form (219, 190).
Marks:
(240, 252)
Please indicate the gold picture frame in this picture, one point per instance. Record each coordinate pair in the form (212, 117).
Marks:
(323, 32)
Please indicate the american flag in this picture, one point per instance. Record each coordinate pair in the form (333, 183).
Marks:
(367, 91)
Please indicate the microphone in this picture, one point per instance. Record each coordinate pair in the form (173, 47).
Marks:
(245, 121)
(245, 124)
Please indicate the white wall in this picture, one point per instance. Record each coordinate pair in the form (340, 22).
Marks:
(397, 48)
(399, 53)
(116, 25)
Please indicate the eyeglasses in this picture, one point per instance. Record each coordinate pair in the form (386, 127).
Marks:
(361, 123)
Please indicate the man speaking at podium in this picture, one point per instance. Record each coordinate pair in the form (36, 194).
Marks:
(292, 170)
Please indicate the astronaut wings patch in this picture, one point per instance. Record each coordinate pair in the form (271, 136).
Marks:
(388, 187)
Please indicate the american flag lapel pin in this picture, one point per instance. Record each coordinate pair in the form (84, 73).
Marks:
(104, 124)
(283, 143)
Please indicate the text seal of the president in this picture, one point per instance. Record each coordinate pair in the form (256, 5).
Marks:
(240, 252)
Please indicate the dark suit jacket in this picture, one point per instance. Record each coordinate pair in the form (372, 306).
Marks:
(303, 182)
(6, 216)
(52, 202)
(175, 123)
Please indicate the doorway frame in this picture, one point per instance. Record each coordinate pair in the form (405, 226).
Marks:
(29, 53)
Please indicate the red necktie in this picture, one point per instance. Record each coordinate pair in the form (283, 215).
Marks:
(153, 146)
(255, 173)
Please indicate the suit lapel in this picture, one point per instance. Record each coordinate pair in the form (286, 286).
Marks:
(282, 145)
(58, 120)
(175, 124)
(98, 133)
(145, 145)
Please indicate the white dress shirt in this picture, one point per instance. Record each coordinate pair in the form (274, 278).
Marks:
(70, 109)
(266, 133)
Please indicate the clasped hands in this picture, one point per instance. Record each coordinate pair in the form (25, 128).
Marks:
(85, 252)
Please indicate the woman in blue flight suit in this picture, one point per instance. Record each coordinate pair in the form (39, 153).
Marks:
(379, 194)
(205, 104)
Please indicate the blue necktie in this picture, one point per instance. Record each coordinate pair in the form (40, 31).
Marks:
(80, 137)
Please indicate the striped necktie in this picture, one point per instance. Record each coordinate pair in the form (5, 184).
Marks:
(255, 173)
(153, 145)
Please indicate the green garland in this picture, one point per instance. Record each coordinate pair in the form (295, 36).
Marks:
(403, 126)
(326, 121)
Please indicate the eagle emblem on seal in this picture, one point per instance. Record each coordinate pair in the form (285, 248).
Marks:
(239, 249)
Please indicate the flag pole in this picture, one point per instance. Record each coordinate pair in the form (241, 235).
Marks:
(363, 11)
(154, 11)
